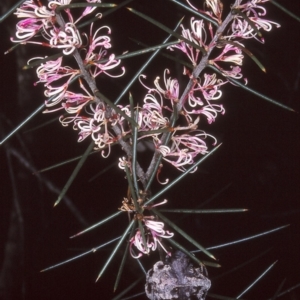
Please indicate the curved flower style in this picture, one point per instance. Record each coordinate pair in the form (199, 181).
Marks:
(93, 58)
(68, 39)
(152, 115)
(197, 35)
(236, 58)
(172, 88)
(216, 7)
(53, 4)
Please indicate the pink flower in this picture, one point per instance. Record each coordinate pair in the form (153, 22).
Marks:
(240, 26)
(211, 87)
(184, 148)
(68, 39)
(74, 102)
(36, 18)
(210, 111)
(52, 71)
(236, 58)
(153, 232)
(152, 116)
(197, 35)
(216, 7)
(88, 9)
(209, 91)
(172, 88)
(26, 29)
(93, 58)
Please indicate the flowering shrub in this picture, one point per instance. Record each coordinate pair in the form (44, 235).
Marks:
(171, 113)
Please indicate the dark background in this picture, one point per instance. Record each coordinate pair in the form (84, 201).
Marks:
(257, 167)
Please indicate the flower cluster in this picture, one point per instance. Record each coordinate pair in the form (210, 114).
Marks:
(246, 23)
(88, 113)
(187, 141)
(43, 20)
(154, 231)
(248, 27)
(97, 125)
(92, 117)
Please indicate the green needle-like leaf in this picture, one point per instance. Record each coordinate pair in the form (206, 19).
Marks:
(12, 48)
(183, 233)
(30, 117)
(81, 255)
(141, 266)
(211, 264)
(246, 238)
(192, 256)
(182, 249)
(215, 296)
(116, 249)
(141, 228)
(131, 103)
(96, 225)
(165, 28)
(171, 57)
(11, 10)
(131, 187)
(242, 265)
(130, 287)
(236, 82)
(153, 132)
(22, 124)
(123, 261)
(256, 280)
(134, 152)
(64, 162)
(44, 124)
(279, 289)
(140, 52)
(102, 171)
(285, 10)
(75, 172)
(84, 4)
(288, 290)
(205, 211)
